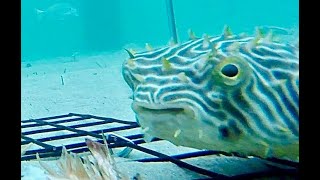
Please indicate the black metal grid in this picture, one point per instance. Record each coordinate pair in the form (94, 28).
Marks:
(48, 150)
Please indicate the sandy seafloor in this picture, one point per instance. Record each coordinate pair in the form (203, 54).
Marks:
(94, 85)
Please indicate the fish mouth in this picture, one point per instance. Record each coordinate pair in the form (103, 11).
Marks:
(160, 110)
(156, 108)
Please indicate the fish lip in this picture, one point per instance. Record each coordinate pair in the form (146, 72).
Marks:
(149, 110)
(140, 107)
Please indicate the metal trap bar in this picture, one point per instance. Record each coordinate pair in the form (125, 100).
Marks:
(46, 149)
(54, 125)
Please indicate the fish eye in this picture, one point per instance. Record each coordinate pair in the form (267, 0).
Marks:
(230, 70)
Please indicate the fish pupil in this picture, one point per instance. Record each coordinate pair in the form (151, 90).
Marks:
(230, 70)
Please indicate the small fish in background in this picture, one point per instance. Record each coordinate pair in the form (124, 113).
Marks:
(59, 11)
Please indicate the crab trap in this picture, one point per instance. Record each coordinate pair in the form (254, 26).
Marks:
(50, 134)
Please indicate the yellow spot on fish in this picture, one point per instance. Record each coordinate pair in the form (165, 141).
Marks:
(145, 129)
(282, 129)
(248, 46)
(269, 37)
(189, 113)
(148, 47)
(212, 53)
(227, 31)
(217, 100)
(192, 36)
(138, 77)
(290, 151)
(166, 65)
(259, 35)
(182, 76)
(131, 62)
(267, 151)
(200, 133)
(206, 41)
(276, 38)
(148, 137)
(243, 35)
(260, 32)
(255, 41)
(172, 42)
(133, 52)
(278, 82)
(234, 47)
(177, 133)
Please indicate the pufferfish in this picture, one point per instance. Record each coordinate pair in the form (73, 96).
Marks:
(233, 93)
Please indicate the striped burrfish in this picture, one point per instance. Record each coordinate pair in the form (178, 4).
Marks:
(234, 93)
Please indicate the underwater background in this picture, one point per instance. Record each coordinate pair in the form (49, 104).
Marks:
(50, 30)
(73, 54)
